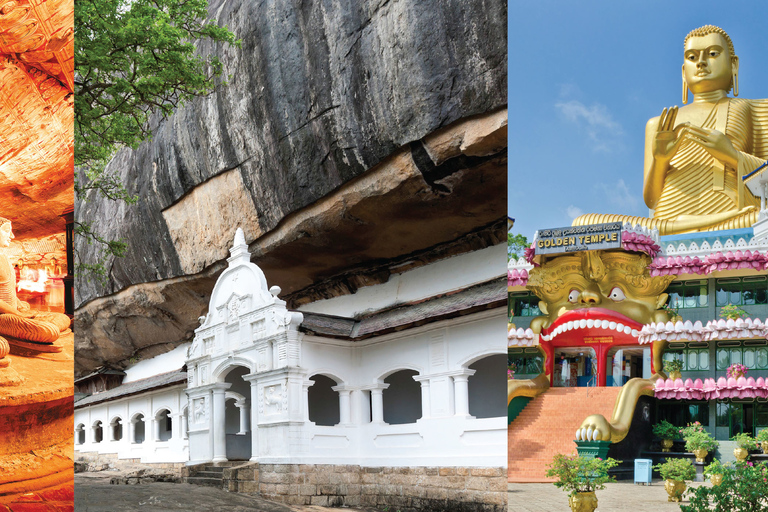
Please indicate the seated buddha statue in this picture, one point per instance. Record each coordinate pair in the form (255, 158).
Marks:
(696, 155)
(17, 320)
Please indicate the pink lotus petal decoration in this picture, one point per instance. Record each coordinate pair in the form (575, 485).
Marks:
(710, 389)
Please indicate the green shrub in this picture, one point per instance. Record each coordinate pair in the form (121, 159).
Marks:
(699, 440)
(743, 489)
(715, 468)
(745, 441)
(666, 430)
(677, 469)
(762, 436)
(578, 474)
(673, 365)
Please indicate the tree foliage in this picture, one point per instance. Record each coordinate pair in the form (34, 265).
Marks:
(516, 245)
(133, 59)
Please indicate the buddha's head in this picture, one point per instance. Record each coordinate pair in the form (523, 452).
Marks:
(6, 233)
(710, 63)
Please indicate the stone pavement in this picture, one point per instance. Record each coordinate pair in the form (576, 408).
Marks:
(54, 499)
(616, 497)
(93, 493)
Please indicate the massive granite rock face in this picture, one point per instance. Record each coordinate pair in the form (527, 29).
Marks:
(328, 105)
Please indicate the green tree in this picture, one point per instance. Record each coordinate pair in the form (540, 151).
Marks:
(133, 59)
(516, 245)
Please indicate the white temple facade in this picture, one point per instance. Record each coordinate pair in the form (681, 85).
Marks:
(419, 380)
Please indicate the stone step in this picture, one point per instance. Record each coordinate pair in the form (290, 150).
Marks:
(205, 481)
(547, 426)
(209, 474)
(213, 469)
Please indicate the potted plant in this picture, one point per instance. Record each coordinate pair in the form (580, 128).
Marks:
(673, 368)
(715, 472)
(737, 370)
(511, 371)
(762, 438)
(675, 473)
(581, 477)
(700, 443)
(746, 443)
(667, 432)
(732, 312)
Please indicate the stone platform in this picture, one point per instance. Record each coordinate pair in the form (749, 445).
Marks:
(36, 419)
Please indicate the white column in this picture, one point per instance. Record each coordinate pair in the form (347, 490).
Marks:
(132, 431)
(426, 410)
(345, 413)
(153, 432)
(461, 392)
(361, 407)
(176, 426)
(305, 399)
(218, 429)
(251, 379)
(377, 403)
(242, 405)
(111, 435)
(185, 424)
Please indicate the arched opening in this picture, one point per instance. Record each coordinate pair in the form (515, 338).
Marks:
(80, 434)
(116, 426)
(402, 399)
(575, 367)
(237, 415)
(624, 363)
(488, 387)
(164, 426)
(98, 432)
(138, 428)
(323, 401)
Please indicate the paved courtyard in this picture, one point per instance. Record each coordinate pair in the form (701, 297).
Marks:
(94, 493)
(616, 497)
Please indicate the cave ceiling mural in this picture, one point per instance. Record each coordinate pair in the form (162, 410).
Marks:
(36, 114)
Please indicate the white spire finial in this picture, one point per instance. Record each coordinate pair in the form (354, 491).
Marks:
(239, 251)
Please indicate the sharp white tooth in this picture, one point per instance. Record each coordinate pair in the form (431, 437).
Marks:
(635, 333)
(582, 323)
(595, 435)
(583, 434)
(590, 323)
(627, 329)
(570, 325)
(604, 324)
(620, 327)
(612, 325)
(578, 434)
(589, 433)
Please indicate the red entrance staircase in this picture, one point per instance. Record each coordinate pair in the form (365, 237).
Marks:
(547, 426)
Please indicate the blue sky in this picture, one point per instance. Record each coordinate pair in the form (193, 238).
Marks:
(585, 77)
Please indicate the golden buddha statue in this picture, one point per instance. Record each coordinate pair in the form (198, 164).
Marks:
(696, 155)
(22, 325)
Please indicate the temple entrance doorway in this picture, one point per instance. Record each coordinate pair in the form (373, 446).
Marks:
(624, 363)
(575, 367)
(237, 414)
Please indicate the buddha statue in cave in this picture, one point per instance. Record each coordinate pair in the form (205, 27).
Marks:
(18, 322)
(696, 155)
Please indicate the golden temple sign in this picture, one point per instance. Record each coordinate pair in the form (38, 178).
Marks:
(579, 238)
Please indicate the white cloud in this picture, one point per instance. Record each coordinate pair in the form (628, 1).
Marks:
(596, 120)
(574, 211)
(619, 194)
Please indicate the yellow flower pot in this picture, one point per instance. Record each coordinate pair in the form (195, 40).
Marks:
(675, 489)
(700, 454)
(716, 479)
(764, 446)
(666, 445)
(583, 502)
(740, 453)
(675, 375)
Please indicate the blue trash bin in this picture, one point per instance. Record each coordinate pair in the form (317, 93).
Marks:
(643, 471)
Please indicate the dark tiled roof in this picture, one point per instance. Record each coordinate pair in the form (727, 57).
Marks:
(482, 296)
(138, 386)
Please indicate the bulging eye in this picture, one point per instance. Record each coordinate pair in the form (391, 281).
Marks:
(573, 296)
(617, 295)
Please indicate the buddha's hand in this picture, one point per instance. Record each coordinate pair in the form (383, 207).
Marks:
(714, 142)
(667, 138)
(594, 428)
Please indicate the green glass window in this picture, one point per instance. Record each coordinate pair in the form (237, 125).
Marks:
(746, 291)
(688, 294)
(524, 305)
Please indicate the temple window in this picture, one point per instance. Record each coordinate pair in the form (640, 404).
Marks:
(751, 353)
(488, 387)
(402, 399)
(323, 401)
(527, 362)
(744, 291)
(693, 356)
(80, 434)
(688, 294)
(138, 429)
(523, 304)
(98, 432)
(164, 426)
(116, 427)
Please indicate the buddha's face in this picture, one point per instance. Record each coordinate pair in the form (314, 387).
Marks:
(6, 234)
(708, 65)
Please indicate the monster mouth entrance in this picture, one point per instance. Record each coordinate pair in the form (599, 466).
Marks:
(592, 325)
